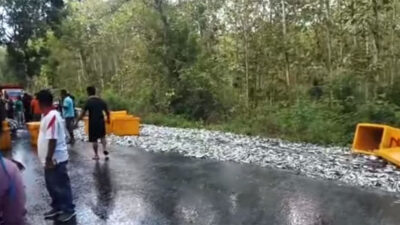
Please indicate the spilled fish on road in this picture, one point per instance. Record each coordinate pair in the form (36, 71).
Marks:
(332, 163)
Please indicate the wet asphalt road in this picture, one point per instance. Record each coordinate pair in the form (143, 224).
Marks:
(135, 187)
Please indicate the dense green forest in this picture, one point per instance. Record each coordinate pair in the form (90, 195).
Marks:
(305, 70)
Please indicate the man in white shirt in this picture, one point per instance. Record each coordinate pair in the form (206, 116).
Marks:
(52, 149)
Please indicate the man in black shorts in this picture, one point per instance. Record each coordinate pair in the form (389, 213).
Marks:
(97, 129)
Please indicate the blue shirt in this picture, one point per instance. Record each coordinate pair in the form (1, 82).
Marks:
(68, 108)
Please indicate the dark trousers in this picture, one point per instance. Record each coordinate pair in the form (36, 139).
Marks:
(59, 187)
(36, 117)
(70, 122)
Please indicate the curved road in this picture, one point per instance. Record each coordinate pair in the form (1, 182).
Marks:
(136, 187)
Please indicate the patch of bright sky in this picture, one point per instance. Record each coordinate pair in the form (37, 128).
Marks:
(3, 23)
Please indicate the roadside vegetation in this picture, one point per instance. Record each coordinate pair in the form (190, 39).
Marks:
(299, 70)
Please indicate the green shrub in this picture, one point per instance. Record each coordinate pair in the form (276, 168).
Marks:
(115, 101)
(311, 122)
(170, 120)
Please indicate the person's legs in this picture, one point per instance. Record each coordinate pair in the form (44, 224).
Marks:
(51, 184)
(64, 192)
(95, 149)
(94, 137)
(27, 116)
(19, 119)
(97, 131)
(36, 117)
(70, 128)
(22, 118)
(104, 143)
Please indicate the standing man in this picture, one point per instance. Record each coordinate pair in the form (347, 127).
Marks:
(9, 106)
(3, 113)
(68, 111)
(52, 149)
(26, 100)
(74, 102)
(35, 109)
(19, 111)
(97, 128)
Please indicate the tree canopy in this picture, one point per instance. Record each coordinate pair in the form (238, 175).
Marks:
(289, 66)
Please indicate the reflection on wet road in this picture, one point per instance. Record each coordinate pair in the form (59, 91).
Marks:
(136, 187)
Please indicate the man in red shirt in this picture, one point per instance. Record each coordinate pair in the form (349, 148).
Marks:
(35, 109)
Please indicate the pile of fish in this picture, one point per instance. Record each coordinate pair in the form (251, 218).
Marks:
(332, 163)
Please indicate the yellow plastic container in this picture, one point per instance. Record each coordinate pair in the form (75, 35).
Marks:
(86, 127)
(116, 114)
(5, 139)
(33, 128)
(121, 123)
(379, 140)
(109, 127)
(390, 154)
(370, 138)
(126, 126)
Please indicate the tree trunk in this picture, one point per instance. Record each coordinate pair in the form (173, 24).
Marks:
(341, 41)
(392, 53)
(284, 32)
(245, 21)
(246, 53)
(353, 13)
(80, 73)
(375, 32)
(83, 65)
(328, 37)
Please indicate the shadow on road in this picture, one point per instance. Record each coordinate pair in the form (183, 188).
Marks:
(71, 222)
(105, 191)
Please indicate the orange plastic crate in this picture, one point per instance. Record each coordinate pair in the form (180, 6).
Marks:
(33, 128)
(116, 114)
(5, 139)
(86, 121)
(126, 126)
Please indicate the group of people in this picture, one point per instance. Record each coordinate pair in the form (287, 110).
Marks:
(24, 109)
(53, 153)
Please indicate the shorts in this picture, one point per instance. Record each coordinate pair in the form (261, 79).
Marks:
(97, 130)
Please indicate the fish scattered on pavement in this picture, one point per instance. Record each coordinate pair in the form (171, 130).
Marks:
(332, 163)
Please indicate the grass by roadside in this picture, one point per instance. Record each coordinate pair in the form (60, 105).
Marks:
(252, 127)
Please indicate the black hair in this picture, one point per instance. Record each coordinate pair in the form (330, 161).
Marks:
(45, 98)
(91, 90)
(64, 92)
